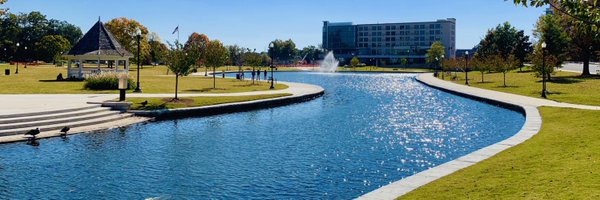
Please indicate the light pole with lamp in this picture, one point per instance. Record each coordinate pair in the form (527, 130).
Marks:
(442, 67)
(467, 68)
(138, 34)
(544, 70)
(26, 59)
(16, 50)
(272, 49)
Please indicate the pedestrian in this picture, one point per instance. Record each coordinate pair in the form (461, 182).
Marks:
(265, 74)
(242, 74)
(223, 73)
(253, 73)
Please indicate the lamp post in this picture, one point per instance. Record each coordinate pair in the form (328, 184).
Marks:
(271, 45)
(26, 59)
(443, 71)
(17, 49)
(467, 68)
(437, 60)
(5, 54)
(544, 69)
(138, 34)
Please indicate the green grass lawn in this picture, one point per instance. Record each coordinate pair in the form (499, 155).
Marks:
(561, 162)
(154, 79)
(563, 87)
(169, 103)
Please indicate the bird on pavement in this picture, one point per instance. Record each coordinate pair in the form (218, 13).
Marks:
(64, 131)
(33, 132)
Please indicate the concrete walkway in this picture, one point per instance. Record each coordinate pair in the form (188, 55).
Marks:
(533, 123)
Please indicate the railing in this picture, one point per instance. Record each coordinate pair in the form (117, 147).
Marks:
(74, 72)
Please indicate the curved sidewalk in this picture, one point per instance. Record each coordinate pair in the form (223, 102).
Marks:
(533, 122)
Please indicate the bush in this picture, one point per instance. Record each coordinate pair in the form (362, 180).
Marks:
(105, 81)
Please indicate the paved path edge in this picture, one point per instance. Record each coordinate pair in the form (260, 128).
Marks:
(532, 125)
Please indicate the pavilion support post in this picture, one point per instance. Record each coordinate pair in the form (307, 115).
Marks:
(116, 65)
(80, 75)
(69, 68)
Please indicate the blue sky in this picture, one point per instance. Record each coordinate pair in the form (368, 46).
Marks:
(254, 23)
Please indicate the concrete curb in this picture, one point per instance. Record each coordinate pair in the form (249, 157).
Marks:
(231, 107)
(533, 123)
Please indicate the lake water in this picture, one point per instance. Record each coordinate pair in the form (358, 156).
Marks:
(366, 131)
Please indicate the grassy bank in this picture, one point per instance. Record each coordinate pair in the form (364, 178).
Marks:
(560, 162)
(155, 79)
(563, 87)
(169, 103)
(383, 69)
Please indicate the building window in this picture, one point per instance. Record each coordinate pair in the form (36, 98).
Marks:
(422, 26)
(438, 26)
(431, 32)
(401, 27)
(387, 28)
(393, 33)
(437, 32)
(431, 26)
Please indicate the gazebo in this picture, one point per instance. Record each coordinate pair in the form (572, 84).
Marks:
(97, 45)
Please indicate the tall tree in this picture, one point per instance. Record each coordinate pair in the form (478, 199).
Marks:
(549, 30)
(435, 54)
(504, 65)
(198, 43)
(522, 48)
(180, 63)
(216, 56)
(158, 50)
(283, 51)
(583, 40)
(479, 64)
(68, 31)
(52, 46)
(504, 40)
(124, 30)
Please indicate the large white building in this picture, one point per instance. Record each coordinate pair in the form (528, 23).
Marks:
(387, 43)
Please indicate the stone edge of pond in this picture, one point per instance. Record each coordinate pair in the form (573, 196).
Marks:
(315, 92)
(532, 125)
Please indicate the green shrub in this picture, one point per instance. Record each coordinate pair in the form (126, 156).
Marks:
(105, 81)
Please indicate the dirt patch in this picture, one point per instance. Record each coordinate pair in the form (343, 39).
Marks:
(187, 102)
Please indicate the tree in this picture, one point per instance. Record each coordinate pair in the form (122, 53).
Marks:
(197, 44)
(549, 30)
(583, 40)
(283, 51)
(311, 53)
(236, 56)
(253, 59)
(585, 12)
(180, 63)
(522, 49)
(124, 30)
(69, 31)
(504, 40)
(404, 62)
(3, 10)
(51, 47)
(504, 65)
(354, 62)
(480, 64)
(540, 65)
(216, 56)
(435, 53)
(158, 50)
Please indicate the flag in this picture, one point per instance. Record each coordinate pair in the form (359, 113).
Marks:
(176, 30)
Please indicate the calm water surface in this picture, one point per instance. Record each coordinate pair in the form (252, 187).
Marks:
(367, 130)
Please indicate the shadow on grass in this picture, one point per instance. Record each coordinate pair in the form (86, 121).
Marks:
(204, 90)
(57, 81)
(508, 86)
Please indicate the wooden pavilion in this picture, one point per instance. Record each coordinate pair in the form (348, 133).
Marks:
(98, 45)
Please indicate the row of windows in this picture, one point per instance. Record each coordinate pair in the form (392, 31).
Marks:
(387, 39)
(374, 45)
(388, 33)
(400, 27)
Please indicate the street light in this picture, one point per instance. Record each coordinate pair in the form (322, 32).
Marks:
(467, 68)
(443, 71)
(544, 69)
(17, 71)
(271, 45)
(138, 34)
(26, 59)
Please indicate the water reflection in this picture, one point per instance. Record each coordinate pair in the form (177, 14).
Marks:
(366, 131)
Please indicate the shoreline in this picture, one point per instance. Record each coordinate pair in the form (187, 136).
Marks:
(532, 126)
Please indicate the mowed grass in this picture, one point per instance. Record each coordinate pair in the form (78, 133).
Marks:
(170, 103)
(560, 162)
(563, 87)
(154, 79)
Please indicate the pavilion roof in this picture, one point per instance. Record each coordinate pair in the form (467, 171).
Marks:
(98, 41)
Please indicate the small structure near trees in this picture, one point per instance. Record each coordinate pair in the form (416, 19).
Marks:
(97, 45)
